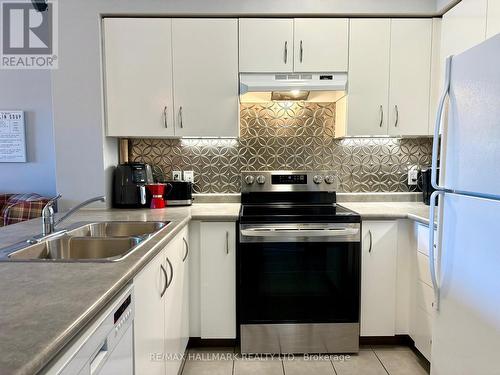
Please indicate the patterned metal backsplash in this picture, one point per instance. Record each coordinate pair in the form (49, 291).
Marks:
(287, 136)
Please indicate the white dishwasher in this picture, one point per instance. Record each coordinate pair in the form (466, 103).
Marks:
(106, 347)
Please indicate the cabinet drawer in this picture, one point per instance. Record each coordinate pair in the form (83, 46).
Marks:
(424, 295)
(423, 333)
(423, 239)
(423, 271)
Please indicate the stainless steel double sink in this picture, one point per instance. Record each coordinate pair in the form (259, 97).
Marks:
(108, 241)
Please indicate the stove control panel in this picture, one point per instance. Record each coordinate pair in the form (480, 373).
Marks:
(268, 181)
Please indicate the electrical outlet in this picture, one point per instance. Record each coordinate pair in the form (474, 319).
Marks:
(188, 176)
(413, 176)
(176, 175)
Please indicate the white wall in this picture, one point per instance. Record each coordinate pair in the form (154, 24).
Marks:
(30, 91)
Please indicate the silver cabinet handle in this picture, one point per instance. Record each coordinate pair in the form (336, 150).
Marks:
(301, 51)
(165, 286)
(180, 118)
(371, 241)
(437, 126)
(381, 115)
(286, 52)
(397, 116)
(171, 273)
(432, 247)
(187, 249)
(227, 242)
(165, 121)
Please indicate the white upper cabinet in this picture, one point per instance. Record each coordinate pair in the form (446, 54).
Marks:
(294, 45)
(138, 77)
(369, 58)
(463, 27)
(205, 54)
(266, 45)
(389, 77)
(410, 67)
(321, 45)
(493, 20)
(436, 83)
(166, 78)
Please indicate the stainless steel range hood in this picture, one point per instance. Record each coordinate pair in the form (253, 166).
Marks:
(312, 87)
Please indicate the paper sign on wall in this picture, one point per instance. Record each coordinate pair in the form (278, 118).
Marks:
(12, 137)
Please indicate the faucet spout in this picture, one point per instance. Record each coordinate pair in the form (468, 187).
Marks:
(100, 198)
(48, 220)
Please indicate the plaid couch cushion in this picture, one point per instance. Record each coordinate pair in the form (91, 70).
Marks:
(21, 207)
(3, 199)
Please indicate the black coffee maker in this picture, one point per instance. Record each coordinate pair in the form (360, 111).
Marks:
(129, 185)
(424, 179)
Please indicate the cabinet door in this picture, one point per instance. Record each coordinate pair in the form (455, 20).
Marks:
(493, 20)
(206, 77)
(149, 321)
(463, 27)
(378, 278)
(138, 77)
(266, 45)
(410, 75)
(218, 280)
(185, 290)
(423, 332)
(368, 76)
(321, 45)
(436, 73)
(173, 305)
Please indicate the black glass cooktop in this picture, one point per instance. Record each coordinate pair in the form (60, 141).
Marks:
(297, 213)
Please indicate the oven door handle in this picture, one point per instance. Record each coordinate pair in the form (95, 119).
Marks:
(327, 232)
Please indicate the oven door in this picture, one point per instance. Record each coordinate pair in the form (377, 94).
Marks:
(299, 273)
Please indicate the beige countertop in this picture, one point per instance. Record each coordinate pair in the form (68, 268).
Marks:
(44, 305)
(390, 210)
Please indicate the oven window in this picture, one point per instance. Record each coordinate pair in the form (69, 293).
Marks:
(298, 282)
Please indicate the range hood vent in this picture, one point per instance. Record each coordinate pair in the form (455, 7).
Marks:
(312, 87)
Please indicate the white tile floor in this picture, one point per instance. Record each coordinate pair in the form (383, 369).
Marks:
(376, 360)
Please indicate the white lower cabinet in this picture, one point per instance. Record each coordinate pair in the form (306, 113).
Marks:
(149, 321)
(175, 320)
(161, 323)
(422, 304)
(378, 278)
(422, 332)
(218, 280)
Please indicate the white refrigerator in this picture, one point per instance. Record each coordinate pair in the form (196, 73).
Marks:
(466, 269)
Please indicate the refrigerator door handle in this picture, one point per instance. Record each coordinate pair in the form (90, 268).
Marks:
(437, 126)
(434, 247)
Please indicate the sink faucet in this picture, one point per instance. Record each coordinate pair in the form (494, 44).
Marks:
(48, 221)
